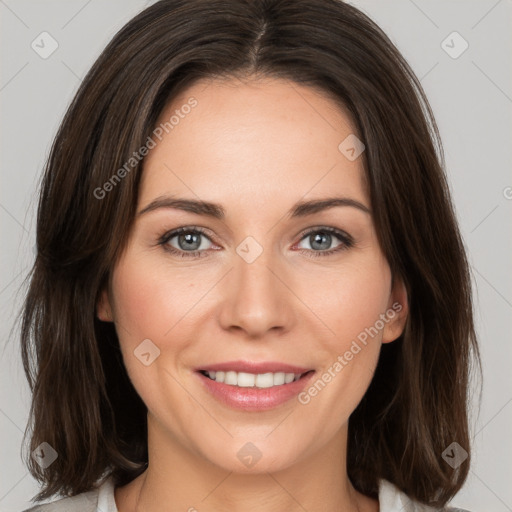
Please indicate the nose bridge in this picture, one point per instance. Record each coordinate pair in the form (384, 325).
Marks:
(254, 278)
(253, 264)
(256, 299)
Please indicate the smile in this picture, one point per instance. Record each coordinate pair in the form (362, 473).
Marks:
(247, 391)
(249, 380)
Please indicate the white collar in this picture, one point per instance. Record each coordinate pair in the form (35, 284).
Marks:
(392, 499)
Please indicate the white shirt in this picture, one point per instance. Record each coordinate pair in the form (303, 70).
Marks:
(101, 499)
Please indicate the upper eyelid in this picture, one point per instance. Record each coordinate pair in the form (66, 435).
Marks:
(332, 230)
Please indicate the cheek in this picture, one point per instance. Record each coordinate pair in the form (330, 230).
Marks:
(352, 306)
(356, 298)
(149, 301)
(151, 304)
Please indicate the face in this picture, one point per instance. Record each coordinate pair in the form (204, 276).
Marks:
(266, 282)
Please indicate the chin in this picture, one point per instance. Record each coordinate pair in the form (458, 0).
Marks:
(253, 457)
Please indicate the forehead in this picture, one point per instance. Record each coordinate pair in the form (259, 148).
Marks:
(255, 141)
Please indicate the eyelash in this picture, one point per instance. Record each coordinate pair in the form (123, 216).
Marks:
(347, 241)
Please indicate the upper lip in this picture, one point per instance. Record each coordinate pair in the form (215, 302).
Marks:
(254, 367)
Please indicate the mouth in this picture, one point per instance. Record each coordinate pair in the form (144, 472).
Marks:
(254, 380)
(248, 386)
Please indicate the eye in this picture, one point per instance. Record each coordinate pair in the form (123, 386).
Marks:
(320, 239)
(188, 242)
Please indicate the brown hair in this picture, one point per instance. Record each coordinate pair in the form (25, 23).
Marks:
(84, 404)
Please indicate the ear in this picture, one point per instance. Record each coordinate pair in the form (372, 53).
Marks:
(397, 312)
(103, 308)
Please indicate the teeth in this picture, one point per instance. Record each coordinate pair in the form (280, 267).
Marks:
(244, 380)
(289, 377)
(249, 380)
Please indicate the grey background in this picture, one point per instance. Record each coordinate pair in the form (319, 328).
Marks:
(472, 100)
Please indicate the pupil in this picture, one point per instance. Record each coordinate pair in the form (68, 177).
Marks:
(189, 237)
(318, 238)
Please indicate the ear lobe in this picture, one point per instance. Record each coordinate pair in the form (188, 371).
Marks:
(397, 312)
(103, 309)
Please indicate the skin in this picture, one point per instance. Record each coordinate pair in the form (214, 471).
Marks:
(257, 147)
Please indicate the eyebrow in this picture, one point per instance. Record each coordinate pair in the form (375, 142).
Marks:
(300, 209)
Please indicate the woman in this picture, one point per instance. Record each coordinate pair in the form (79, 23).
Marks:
(250, 291)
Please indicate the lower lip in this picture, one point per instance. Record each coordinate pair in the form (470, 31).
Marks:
(254, 399)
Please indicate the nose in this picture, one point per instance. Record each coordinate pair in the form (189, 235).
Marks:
(257, 297)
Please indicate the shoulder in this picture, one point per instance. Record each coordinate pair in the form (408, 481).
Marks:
(392, 499)
(100, 498)
(84, 502)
